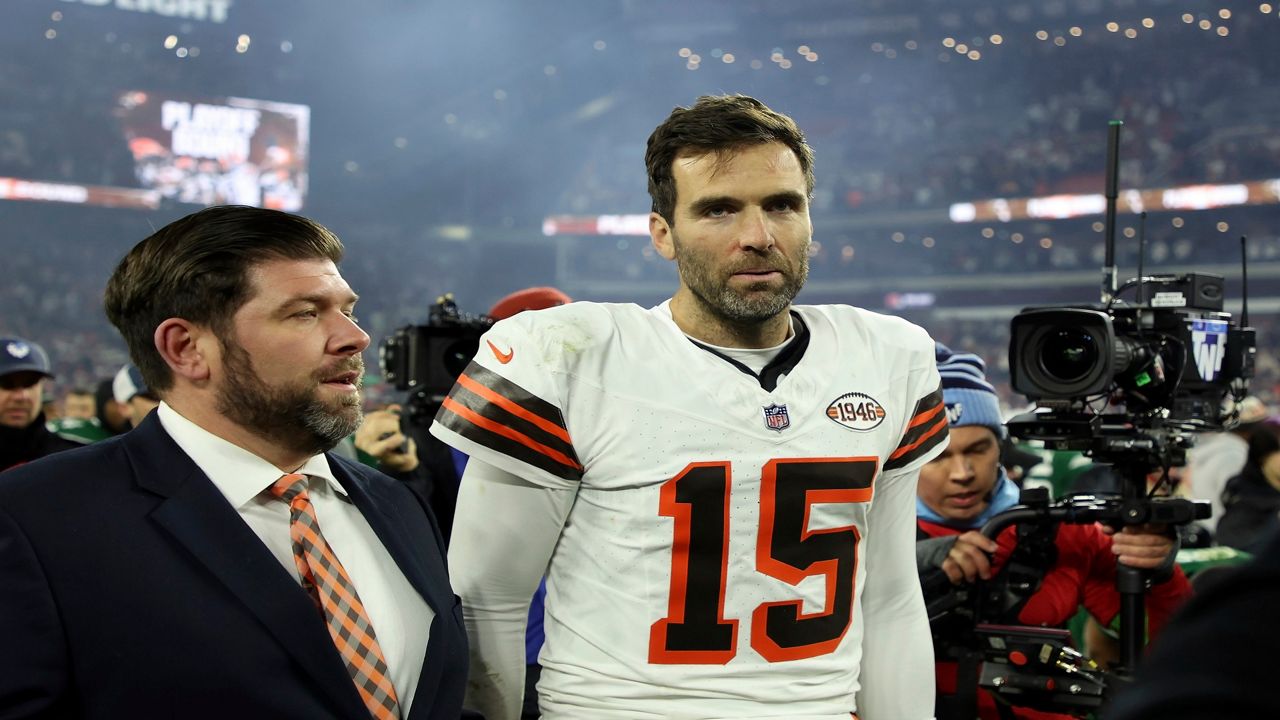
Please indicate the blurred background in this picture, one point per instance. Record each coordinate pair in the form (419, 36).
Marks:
(484, 146)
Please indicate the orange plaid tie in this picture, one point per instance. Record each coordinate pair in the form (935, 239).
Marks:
(328, 584)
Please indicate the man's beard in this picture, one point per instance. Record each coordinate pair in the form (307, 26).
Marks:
(733, 305)
(293, 415)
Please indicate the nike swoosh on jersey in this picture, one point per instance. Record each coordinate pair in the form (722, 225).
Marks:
(928, 428)
(489, 409)
(503, 357)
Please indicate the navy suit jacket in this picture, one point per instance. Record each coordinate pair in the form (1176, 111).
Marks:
(130, 588)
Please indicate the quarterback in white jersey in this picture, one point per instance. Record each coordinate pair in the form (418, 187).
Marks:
(714, 559)
(720, 490)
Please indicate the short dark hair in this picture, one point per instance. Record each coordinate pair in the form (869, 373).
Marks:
(196, 268)
(716, 123)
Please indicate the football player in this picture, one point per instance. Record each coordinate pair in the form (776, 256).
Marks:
(721, 488)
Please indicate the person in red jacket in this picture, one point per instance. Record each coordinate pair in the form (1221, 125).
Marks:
(965, 486)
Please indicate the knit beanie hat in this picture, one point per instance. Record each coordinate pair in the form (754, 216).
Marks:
(969, 398)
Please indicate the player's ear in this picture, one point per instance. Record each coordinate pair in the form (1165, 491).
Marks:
(660, 235)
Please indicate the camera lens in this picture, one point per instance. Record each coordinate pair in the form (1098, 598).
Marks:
(1068, 354)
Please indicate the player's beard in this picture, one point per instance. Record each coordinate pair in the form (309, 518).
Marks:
(754, 304)
(293, 415)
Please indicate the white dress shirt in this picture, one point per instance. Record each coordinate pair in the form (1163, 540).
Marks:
(401, 618)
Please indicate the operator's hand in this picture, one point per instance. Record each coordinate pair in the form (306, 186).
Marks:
(1142, 546)
(380, 437)
(969, 558)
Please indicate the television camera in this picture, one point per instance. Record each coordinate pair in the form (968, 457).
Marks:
(425, 360)
(1164, 366)
(1128, 384)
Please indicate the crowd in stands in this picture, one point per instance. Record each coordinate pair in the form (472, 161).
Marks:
(912, 133)
(1029, 119)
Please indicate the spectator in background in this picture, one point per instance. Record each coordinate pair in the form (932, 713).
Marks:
(1251, 500)
(83, 427)
(52, 410)
(965, 487)
(78, 404)
(131, 391)
(24, 368)
(1218, 457)
(113, 417)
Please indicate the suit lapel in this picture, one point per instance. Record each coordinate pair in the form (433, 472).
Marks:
(197, 516)
(420, 565)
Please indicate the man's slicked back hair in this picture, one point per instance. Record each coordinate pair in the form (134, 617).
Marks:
(197, 268)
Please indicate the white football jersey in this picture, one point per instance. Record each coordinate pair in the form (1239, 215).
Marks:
(712, 563)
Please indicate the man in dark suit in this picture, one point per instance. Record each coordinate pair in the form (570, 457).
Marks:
(217, 561)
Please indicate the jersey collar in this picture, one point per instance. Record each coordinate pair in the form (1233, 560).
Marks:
(782, 363)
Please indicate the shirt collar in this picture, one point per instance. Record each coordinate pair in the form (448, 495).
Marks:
(238, 474)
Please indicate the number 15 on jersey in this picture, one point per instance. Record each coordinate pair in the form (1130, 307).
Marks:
(695, 630)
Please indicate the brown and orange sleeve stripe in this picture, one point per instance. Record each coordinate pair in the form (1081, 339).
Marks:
(928, 428)
(488, 409)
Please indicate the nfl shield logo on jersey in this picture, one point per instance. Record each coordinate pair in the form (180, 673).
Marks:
(776, 417)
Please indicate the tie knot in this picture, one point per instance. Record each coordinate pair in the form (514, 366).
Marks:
(289, 486)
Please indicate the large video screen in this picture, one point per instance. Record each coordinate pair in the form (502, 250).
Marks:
(140, 148)
(214, 151)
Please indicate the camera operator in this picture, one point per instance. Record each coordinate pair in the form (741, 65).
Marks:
(381, 442)
(1066, 564)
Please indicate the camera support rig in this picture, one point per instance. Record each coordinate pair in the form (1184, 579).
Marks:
(1161, 368)
(1132, 458)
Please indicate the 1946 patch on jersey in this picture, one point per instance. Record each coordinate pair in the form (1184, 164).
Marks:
(856, 411)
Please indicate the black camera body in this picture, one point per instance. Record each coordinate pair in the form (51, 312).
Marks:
(1170, 360)
(1128, 384)
(427, 359)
